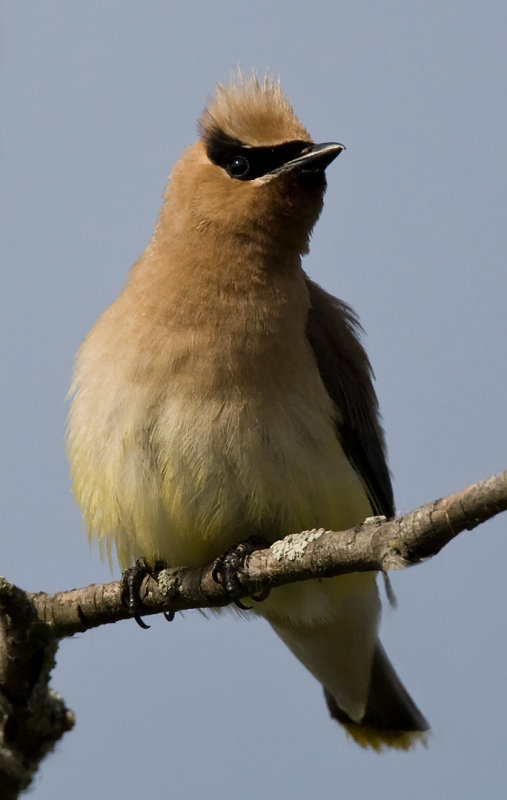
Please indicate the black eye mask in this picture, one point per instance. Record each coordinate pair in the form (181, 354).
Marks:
(246, 163)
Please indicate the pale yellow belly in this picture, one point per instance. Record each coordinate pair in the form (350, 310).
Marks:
(213, 474)
(186, 480)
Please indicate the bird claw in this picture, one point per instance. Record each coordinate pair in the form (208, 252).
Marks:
(131, 582)
(230, 564)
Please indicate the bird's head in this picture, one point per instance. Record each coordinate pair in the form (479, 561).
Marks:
(255, 171)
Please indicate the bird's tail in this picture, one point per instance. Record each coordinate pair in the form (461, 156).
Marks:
(391, 718)
(362, 690)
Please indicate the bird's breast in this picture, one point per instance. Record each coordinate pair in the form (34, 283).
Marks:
(199, 436)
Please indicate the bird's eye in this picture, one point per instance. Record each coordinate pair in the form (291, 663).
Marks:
(238, 167)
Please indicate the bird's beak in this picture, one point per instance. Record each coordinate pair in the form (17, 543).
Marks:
(314, 158)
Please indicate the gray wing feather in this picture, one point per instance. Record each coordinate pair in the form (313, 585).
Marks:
(333, 331)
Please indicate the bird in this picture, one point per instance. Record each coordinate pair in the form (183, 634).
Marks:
(225, 394)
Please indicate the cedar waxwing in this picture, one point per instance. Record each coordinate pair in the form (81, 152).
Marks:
(224, 394)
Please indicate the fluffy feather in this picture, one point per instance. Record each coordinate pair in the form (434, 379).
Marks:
(224, 394)
(255, 112)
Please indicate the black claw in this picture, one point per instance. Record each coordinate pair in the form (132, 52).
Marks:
(228, 566)
(242, 606)
(140, 621)
(260, 596)
(131, 581)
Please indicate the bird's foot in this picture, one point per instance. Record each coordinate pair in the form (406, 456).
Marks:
(230, 564)
(131, 582)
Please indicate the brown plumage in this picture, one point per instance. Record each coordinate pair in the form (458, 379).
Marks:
(224, 393)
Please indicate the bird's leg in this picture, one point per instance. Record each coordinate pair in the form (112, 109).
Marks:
(131, 581)
(230, 564)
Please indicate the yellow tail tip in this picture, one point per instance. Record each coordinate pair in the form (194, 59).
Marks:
(373, 739)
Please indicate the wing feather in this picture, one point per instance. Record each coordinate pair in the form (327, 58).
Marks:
(333, 331)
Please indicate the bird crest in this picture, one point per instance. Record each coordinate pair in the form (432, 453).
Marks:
(252, 112)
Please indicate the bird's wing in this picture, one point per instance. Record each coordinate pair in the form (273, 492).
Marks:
(333, 332)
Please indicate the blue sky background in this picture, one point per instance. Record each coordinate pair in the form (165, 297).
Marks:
(98, 100)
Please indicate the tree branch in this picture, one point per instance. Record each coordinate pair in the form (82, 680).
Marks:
(31, 625)
(377, 544)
